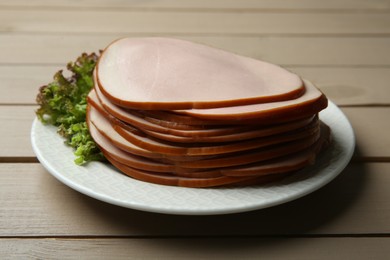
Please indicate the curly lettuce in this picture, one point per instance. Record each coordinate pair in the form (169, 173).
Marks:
(63, 103)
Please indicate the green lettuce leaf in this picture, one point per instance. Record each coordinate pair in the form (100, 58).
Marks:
(63, 103)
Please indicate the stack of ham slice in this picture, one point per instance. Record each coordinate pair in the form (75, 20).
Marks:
(173, 112)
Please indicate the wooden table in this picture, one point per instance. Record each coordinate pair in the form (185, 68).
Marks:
(341, 45)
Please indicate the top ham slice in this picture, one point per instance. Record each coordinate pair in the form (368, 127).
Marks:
(171, 74)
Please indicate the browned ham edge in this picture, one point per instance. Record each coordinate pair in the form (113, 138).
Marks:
(194, 182)
(310, 103)
(206, 135)
(211, 178)
(205, 161)
(182, 149)
(252, 156)
(250, 134)
(283, 164)
(104, 126)
(138, 120)
(279, 165)
(165, 179)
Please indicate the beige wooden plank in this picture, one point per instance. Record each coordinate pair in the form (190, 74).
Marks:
(371, 124)
(20, 83)
(15, 129)
(33, 203)
(351, 86)
(198, 248)
(122, 21)
(345, 86)
(215, 4)
(340, 51)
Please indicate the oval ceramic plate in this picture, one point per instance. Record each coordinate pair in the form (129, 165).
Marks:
(103, 182)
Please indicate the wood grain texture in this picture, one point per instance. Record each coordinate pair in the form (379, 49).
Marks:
(213, 5)
(190, 248)
(345, 86)
(350, 86)
(341, 45)
(21, 83)
(123, 21)
(16, 124)
(371, 126)
(308, 51)
(33, 203)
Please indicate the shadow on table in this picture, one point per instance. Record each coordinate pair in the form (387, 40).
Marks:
(320, 211)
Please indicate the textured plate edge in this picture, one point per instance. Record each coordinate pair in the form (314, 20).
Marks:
(176, 211)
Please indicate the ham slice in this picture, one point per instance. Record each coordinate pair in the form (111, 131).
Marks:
(175, 167)
(157, 146)
(192, 182)
(171, 112)
(239, 136)
(162, 73)
(104, 126)
(310, 103)
(279, 165)
(282, 164)
(221, 134)
(135, 161)
(266, 172)
(200, 162)
(136, 119)
(172, 123)
(143, 163)
(252, 156)
(165, 179)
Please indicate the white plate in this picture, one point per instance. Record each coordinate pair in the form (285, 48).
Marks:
(103, 182)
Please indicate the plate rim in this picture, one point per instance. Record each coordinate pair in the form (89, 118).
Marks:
(188, 211)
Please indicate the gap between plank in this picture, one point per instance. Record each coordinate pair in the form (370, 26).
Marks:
(371, 159)
(363, 66)
(19, 159)
(351, 105)
(206, 34)
(366, 105)
(196, 9)
(367, 235)
(33, 159)
(203, 34)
